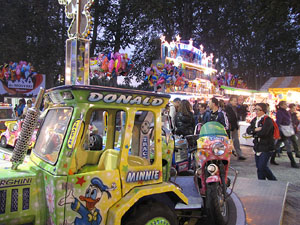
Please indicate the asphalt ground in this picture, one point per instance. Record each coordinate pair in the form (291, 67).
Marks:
(283, 172)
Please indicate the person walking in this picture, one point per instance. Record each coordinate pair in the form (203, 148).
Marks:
(283, 119)
(295, 122)
(262, 129)
(184, 119)
(231, 112)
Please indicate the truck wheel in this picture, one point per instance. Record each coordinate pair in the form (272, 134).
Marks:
(3, 142)
(151, 213)
(217, 206)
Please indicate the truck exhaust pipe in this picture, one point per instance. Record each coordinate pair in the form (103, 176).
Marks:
(28, 127)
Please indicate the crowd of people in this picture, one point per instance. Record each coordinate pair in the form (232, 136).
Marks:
(21, 109)
(185, 117)
(23, 106)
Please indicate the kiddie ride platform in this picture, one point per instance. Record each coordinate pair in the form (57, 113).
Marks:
(253, 202)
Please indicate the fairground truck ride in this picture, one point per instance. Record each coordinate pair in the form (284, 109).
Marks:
(120, 176)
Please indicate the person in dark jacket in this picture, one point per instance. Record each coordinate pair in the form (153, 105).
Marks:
(184, 119)
(196, 109)
(216, 113)
(241, 109)
(261, 127)
(283, 118)
(231, 112)
(204, 113)
(295, 122)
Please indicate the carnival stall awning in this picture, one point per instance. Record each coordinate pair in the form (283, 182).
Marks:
(278, 85)
(239, 91)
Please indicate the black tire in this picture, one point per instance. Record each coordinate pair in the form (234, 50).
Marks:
(217, 206)
(145, 212)
(3, 142)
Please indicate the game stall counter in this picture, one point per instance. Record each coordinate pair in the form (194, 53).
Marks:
(244, 138)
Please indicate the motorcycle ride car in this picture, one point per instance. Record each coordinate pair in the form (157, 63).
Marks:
(212, 162)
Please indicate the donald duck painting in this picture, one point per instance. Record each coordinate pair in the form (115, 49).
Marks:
(89, 213)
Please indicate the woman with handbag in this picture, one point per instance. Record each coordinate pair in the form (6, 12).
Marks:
(283, 119)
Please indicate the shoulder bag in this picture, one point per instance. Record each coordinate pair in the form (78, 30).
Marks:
(287, 130)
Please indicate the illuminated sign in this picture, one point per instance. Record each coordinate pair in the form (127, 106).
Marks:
(124, 99)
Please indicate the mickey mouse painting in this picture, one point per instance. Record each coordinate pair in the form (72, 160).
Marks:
(90, 214)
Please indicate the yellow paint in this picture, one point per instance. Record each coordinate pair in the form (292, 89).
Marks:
(73, 133)
(118, 210)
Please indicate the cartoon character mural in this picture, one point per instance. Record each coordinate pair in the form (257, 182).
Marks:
(89, 213)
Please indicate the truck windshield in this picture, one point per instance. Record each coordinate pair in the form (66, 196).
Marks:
(212, 128)
(7, 114)
(52, 134)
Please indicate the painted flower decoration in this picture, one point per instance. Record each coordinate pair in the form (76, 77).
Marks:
(50, 221)
(50, 198)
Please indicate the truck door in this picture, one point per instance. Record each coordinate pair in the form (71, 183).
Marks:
(95, 185)
(144, 154)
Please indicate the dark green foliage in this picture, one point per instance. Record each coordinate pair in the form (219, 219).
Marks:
(32, 31)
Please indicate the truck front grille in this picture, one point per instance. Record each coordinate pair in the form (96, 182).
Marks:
(2, 201)
(14, 200)
(26, 198)
(4, 196)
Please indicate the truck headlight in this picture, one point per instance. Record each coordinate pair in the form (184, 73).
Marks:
(218, 148)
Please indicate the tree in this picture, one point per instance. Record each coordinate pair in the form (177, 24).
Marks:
(31, 31)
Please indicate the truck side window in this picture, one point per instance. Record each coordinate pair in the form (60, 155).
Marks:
(97, 130)
(119, 128)
(142, 147)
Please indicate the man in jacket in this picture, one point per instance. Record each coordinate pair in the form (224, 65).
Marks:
(295, 122)
(241, 109)
(204, 113)
(216, 113)
(231, 112)
(262, 129)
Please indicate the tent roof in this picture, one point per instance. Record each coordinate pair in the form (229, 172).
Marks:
(281, 82)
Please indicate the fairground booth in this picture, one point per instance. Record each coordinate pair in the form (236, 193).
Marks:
(188, 72)
(183, 71)
(283, 88)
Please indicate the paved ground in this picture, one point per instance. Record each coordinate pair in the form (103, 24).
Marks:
(283, 172)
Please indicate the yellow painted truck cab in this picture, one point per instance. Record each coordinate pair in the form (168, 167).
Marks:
(100, 157)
